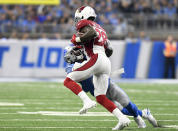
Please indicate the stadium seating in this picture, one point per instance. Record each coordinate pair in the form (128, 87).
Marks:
(119, 16)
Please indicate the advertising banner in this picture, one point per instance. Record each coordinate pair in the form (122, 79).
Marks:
(31, 2)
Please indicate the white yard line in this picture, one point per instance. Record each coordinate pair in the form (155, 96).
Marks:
(156, 101)
(62, 99)
(79, 103)
(39, 108)
(150, 91)
(57, 127)
(11, 98)
(54, 113)
(171, 126)
(6, 127)
(71, 120)
(10, 104)
(69, 109)
(155, 104)
(77, 114)
(8, 113)
(166, 114)
(63, 120)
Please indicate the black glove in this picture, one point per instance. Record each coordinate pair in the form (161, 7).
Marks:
(108, 48)
(108, 52)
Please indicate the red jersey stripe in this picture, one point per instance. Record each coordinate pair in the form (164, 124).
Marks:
(89, 64)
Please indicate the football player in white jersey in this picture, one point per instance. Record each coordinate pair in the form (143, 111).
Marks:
(92, 39)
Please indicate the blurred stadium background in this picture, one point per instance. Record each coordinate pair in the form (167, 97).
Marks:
(33, 34)
(121, 18)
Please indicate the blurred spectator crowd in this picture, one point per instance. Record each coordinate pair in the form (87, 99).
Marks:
(119, 17)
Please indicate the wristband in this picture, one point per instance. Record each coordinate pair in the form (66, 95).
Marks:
(77, 39)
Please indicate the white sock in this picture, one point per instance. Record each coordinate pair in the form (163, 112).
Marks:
(138, 117)
(117, 113)
(83, 96)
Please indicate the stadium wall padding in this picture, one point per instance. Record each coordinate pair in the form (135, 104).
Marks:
(144, 59)
(44, 58)
(156, 68)
(131, 59)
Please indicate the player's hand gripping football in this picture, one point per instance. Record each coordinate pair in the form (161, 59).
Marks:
(73, 40)
(75, 36)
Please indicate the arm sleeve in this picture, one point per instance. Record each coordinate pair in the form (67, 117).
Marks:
(89, 33)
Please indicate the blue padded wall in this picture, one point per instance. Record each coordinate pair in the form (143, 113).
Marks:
(130, 59)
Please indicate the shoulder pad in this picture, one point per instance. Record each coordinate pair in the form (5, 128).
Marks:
(83, 23)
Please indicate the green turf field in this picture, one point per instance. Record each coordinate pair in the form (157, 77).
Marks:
(50, 106)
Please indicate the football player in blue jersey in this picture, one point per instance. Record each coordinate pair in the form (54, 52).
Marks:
(75, 58)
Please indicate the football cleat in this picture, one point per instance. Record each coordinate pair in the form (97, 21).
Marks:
(140, 122)
(87, 106)
(147, 115)
(123, 122)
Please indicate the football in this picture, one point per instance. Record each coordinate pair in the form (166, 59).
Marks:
(79, 34)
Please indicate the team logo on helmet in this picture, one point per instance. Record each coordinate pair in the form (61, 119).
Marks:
(81, 8)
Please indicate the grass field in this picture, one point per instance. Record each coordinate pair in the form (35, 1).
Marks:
(50, 106)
